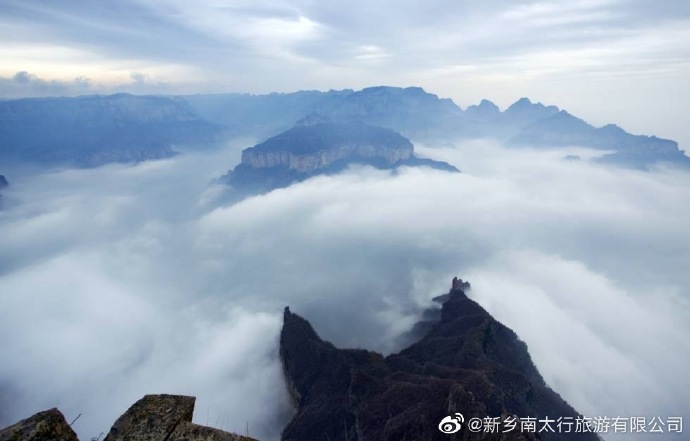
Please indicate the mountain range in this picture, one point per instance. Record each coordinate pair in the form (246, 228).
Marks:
(94, 130)
(424, 117)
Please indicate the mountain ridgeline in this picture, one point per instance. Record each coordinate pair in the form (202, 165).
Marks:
(425, 117)
(463, 362)
(95, 130)
(467, 363)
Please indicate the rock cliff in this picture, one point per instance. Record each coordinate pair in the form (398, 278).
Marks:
(316, 145)
(307, 149)
(153, 418)
(466, 363)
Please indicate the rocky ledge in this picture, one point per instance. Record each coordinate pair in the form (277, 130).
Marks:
(467, 363)
(153, 418)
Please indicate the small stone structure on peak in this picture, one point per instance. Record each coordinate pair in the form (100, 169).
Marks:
(459, 285)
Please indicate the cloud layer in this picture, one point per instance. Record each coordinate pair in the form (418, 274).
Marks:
(122, 281)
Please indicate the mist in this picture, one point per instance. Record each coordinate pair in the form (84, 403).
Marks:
(126, 280)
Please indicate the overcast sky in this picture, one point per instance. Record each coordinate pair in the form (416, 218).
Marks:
(608, 61)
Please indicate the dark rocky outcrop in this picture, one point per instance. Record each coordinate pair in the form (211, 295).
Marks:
(49, 425)
(153, 418)
(93, 130)
(317, 145)
(165, 418)
(467, 362)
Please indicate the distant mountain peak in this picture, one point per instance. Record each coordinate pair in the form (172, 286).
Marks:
(525, 104)
(484, 103)
(485, 110)
(524, 101)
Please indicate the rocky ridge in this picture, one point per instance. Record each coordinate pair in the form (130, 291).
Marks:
(467, 363)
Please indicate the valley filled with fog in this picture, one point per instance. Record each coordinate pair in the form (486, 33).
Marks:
(124, 280)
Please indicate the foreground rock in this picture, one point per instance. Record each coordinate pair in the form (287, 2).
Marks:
(153, 418)
(49, 425)
(467, 363)
(165, 418)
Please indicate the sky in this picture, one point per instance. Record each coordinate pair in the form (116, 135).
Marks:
(133, 279)
(607, 61)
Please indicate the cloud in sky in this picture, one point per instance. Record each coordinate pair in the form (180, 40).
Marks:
(621, 61)
(137, 283)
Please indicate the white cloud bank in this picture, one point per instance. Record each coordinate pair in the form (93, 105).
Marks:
(122, 281)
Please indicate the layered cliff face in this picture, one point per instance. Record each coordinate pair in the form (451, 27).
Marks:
(467, 363)
(316, 145)
(315, 161)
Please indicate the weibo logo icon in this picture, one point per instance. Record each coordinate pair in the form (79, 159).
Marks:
(451, 424)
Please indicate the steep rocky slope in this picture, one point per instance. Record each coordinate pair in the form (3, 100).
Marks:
(467, 363)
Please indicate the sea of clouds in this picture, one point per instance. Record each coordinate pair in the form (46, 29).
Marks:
(125, 280)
